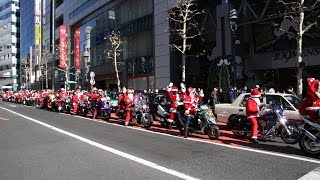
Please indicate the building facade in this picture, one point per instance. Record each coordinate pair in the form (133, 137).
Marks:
(32, 43)
(88, 24)
(9, 44)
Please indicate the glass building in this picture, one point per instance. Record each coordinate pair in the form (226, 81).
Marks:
(9, 44)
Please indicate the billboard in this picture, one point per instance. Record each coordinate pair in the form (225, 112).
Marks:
(77, 58)
(63, 47)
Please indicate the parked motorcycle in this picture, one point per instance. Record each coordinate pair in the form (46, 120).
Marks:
(105, 109)
(310, 138)
(141, 115)
(204, 122)
(271, 124)
(66, 105)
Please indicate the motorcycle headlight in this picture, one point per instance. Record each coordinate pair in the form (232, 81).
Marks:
(144, 106)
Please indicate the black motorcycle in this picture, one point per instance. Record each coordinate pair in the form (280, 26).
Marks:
(272, 123)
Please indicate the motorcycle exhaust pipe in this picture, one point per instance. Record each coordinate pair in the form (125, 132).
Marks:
(240, 131)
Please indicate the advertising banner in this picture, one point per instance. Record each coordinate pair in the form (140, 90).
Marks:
(77, 58)
(63, 47)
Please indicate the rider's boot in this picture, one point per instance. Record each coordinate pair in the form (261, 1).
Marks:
(186, 129)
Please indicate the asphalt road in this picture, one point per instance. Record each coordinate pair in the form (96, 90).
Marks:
(76, 148)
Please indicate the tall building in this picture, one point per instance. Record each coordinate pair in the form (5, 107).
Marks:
(9, 44)
(93, 21)
(32, 42)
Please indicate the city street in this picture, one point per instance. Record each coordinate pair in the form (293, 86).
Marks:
(38, 144)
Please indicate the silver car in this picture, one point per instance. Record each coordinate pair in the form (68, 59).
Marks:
(289, 102)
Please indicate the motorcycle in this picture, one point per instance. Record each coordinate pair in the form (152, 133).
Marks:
(272, 123)
(163, 113)
(141, 115)
(105, 109)
(204, 122)
(310, 138)
(66, 105)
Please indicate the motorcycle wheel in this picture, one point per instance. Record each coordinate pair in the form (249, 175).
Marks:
(85, 113)
(146, 120)
(107, 117)
(295, 133)
(305, 145)
(213, 132)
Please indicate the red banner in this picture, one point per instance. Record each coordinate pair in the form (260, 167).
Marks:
(63, 47)
(77, 59)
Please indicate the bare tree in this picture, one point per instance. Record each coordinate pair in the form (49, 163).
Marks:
(182, 15)
(44, 65)
(25, 71)
(114, 51)
(295, 11)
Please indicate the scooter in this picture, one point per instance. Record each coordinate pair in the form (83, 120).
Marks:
(204, 122)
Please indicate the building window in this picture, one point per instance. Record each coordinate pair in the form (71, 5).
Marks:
(58, 3)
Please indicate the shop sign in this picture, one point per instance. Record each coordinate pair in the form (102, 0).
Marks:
(291, 54)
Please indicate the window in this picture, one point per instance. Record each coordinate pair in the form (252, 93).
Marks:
(244, 100)
(279, 100)
(294, 101)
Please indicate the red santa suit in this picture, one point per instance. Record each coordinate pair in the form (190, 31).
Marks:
(171, 93)
(311, 104)
(75, 102)
(128, 98)
(252, 109)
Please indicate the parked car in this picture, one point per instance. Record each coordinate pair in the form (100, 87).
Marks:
(289, 102)
(113, 101)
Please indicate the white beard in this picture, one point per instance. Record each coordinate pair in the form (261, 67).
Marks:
(257, 101)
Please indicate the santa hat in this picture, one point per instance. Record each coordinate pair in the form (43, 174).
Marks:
(255, 93)
(174, 88)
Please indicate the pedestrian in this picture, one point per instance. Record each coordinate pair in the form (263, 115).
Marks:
(230, 94)
(291, 91)
(213, 99)
(220, 96)
(244, 90)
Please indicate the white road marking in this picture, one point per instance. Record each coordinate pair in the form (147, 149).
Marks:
(109, 149)
(13, 105)
(305, 159)
(1, 118)
(314, 174)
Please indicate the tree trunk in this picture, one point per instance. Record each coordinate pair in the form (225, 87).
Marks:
(184, 48)
(47, 75)
(116, 69)
(299, 55)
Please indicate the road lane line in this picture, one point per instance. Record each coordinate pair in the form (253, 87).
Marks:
(13, 105)
(314, 174)
(300, 158)
(1, 118)
(109, 149)
(306, 159)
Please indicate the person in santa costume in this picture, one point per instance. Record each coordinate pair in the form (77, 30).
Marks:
(252, 109)
(310, 106)
(190, 106)
(172, 93)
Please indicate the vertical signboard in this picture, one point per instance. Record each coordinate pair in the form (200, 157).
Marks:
(63, 47)
(77, 59)
(37, 9)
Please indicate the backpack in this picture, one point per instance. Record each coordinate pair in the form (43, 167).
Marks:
(251, 106)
